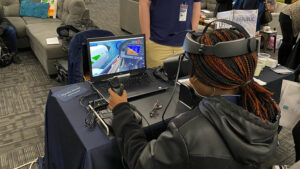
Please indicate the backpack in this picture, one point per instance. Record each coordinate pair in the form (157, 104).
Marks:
(66, 31)
(5, 57)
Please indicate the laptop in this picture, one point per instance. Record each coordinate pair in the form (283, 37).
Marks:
(125, 57)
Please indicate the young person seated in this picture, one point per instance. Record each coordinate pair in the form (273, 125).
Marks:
(8, 33)
(234, 126)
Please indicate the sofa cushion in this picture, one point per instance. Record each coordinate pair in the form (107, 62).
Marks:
(73, 10)
(60, 8)
(34, 9)
(204, 4)
(40, 32)
(19, 25)
(33, 20)
(211, 5)
(10, 7)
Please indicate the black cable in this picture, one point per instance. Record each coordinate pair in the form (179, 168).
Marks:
(138, 112)
(174, 89)
(90, 119)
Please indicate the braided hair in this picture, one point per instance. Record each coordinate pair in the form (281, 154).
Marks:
(234, 73)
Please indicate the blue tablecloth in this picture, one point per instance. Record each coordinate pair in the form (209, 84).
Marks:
(274, 81)
(68, 143)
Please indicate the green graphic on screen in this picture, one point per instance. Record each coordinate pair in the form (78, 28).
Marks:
(96, 58)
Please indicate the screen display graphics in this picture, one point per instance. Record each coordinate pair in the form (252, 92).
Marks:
(117, 55)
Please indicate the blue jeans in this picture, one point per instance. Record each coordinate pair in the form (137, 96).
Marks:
(10, 37)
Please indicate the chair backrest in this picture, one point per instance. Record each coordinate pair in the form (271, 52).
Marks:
(72, 12)
(78, 64)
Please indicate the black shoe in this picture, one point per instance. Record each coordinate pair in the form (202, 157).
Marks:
(16, 59)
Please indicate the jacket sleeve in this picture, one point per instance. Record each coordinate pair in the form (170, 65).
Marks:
(167, 151)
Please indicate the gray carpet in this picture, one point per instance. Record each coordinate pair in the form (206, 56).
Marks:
(23, 93)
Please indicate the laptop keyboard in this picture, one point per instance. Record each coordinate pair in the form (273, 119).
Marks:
(131, 82)
(135, 81)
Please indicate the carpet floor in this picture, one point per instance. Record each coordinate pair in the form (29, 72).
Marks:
(24, 89)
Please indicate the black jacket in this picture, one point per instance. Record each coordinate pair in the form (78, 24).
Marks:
(223, 5)
(217, 134)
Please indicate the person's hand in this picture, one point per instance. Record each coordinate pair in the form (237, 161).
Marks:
(115, 99)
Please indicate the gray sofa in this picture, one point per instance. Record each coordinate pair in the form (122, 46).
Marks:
(33, 32)
(129, 16)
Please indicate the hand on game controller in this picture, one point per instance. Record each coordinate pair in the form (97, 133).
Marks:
(115, 99)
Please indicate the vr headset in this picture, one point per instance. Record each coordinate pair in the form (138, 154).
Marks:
(221, 49)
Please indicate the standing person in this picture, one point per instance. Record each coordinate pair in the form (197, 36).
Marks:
(223, 5)
(289, 19)
(9, 34)
(296, 136)
(296, 133)
(161, 20)
(271, 5)
(251, 4)
(235, 125)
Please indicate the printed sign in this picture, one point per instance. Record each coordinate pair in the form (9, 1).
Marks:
(246, 18)
(69, 92)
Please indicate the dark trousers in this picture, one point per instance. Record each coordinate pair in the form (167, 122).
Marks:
(296, 136)
(10, 38)
(288, 38)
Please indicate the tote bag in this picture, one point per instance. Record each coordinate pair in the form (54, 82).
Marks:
(289, 104)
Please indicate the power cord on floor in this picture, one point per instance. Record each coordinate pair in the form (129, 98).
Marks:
(29, 163)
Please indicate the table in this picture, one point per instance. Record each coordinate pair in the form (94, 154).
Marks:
(70, 145)
(267, 35)
(274, 81)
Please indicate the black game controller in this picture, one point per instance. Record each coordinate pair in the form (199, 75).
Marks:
(118, 88)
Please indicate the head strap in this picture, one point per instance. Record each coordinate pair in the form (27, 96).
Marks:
(221, 49)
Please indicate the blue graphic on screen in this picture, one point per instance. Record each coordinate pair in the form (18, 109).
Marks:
(113, 56)
(133, 50)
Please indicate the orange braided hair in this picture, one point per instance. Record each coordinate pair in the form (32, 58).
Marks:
(234, 72)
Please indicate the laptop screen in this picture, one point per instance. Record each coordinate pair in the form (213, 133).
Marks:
(109, 56)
